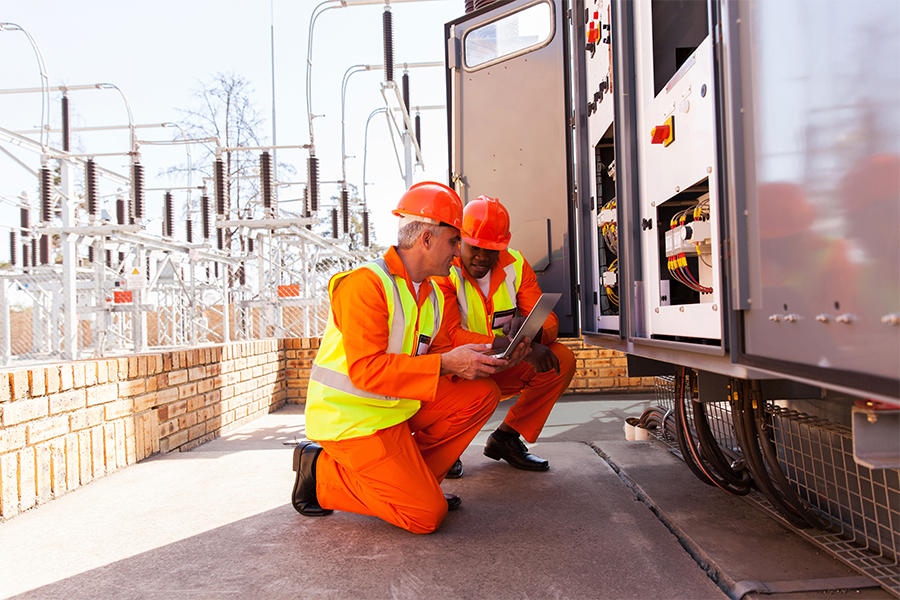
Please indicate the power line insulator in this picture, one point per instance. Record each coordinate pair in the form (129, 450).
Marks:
(91, 254)
(25, 221)
(405, 81)
(419, 131)
(312, 183)
(66, 131)
(365, 228)
(26, 255)
(206, 222)
(46, 194)
(92, 190)
(388, 22)
(251, 245)
(109, 259)
(306, 205)
(13, 247)
(334, 223)
(45, 250)
(267, 179)
(189, 230)
(168, 215)
(137, 192)
(221, 187)
(345, 211)
(120, 211)
(220, 239)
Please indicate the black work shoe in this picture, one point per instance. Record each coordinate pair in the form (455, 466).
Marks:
(303, 497)
(456, 471)
(453, 501)
(515, 453)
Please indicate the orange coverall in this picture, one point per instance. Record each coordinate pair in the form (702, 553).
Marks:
(395, 473)
(538, 391)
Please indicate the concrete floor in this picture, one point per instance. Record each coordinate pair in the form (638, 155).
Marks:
(216, 522)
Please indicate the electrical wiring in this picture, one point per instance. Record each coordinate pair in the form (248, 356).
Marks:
(698, 455)
(748, 438)
(609, 229)
(610, 289)
(677, 264)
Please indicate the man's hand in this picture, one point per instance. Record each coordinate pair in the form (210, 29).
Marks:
(542, 358)
(512, 327)
(471, 362)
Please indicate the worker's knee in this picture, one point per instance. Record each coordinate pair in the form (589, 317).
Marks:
(565, 357)
(428, 517)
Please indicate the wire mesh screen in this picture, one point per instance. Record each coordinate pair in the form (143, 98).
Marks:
(718, 413)
(860, 505)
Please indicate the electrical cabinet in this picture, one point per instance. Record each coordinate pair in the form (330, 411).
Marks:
(725, 176)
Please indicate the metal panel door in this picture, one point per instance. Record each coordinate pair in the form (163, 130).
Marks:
(508, 106)
(822, 170)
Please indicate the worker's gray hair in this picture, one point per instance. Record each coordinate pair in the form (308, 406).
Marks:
(410, 231)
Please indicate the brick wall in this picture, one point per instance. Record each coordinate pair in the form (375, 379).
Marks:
(61, 426)
(602, 370)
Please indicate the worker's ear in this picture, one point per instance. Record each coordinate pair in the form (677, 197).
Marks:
(427, 238)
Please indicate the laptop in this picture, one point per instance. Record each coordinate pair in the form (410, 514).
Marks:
(532, 324)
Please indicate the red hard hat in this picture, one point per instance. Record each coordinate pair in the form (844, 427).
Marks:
(433, 201)
(486, 224)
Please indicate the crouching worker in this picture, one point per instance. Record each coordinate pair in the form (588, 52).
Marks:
(487, 285)
(388, 417)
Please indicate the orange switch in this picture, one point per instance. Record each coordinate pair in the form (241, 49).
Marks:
(664, 134)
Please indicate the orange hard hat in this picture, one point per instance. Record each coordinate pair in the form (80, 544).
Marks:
(486, 224)
(433, 202)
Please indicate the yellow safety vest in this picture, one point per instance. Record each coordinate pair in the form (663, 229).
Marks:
(335, 408)
(472, 309)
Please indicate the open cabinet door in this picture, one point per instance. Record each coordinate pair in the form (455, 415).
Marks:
(508, 112)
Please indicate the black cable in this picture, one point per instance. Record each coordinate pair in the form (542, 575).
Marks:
(713, 453)
(697, 457)
(748, 439)
(682, 434)
(770, 455)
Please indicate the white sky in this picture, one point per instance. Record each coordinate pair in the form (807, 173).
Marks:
(156, 52)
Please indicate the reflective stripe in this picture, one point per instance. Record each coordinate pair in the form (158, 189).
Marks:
(461, 298)
(340, 382)
(398, 325)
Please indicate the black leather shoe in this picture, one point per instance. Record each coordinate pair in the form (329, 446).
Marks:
(453, 501)
(515, 453)
(456, 471)
(303, 497)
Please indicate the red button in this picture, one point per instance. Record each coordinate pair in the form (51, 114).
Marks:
(660, 134)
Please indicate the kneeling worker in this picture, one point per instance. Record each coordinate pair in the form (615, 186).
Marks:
(489, 283)
(390, 423)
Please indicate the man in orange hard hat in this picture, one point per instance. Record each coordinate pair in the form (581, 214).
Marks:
(489, 284)
(389, 419)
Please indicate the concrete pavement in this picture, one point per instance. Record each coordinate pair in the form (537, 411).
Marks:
(216, 522)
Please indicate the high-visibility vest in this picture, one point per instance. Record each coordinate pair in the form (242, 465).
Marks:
(335, 408)
(472, 309)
